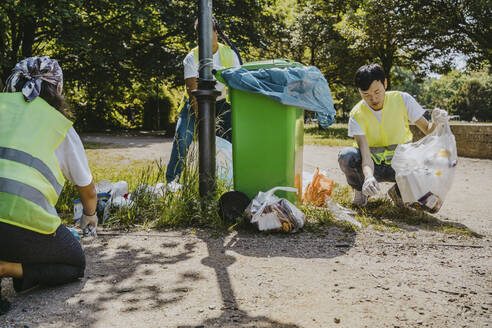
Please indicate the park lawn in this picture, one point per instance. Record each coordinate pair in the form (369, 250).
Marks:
(335, 135)
(184, 208)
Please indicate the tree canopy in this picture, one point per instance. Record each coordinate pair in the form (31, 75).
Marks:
(120, 57)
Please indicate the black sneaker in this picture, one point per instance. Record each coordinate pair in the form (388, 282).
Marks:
(4, 304)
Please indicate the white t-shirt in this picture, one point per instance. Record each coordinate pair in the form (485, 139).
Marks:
(191, 68)
(73, 160)
(414, 112)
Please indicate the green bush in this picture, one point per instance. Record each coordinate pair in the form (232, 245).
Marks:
(466, 94)
(158, 108)
(473, 99)
(156, 112)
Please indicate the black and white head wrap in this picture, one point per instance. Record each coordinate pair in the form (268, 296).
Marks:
(32, 71)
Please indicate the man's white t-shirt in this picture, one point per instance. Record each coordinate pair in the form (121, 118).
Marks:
(73, 160)
(414, 112)
(191, 68)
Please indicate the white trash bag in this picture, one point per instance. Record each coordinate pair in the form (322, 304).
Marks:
(223, 159)
(270, 212)
(425, 169)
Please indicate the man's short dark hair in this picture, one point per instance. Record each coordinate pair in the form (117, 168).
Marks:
(367, 74)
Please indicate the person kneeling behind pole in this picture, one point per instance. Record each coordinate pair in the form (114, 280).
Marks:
(378, 123)
(39, 149)
(223, 57)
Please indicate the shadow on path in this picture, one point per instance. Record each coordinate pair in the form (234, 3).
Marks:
(383, 212)
(118, 274)
(122, 272)
(260, 245)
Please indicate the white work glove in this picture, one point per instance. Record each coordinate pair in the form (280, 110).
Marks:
(88, 224)
(439, 116)
(370, 187)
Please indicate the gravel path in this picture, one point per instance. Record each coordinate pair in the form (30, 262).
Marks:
(333, 278)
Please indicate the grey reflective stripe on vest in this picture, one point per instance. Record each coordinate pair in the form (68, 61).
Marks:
(31, 161)
(377, 150)
(380, 154)
(20, 189)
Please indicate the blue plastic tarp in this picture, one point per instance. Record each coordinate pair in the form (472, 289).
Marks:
(304, 87)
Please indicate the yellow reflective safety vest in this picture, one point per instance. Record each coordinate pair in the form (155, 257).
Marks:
(226, 59)
(30, 176)
(393, 130)
(225, 54)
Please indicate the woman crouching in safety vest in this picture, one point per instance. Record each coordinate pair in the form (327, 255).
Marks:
(39, 149)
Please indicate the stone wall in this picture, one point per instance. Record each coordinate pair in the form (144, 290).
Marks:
(472, 140)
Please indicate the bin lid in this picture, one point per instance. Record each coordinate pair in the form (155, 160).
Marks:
(299, 86)
(265, 64)
(271, 63)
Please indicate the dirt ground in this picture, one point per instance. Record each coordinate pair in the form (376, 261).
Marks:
(187, 278)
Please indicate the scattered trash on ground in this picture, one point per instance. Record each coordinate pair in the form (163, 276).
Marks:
(317, 189)
(158, 190)
(341, 213)
(115, 196)
(270, 212)
(102, 200)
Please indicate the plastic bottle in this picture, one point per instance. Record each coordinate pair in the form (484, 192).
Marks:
(120, 188)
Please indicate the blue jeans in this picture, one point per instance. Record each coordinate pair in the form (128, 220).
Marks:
(185, 130)
(350, 161)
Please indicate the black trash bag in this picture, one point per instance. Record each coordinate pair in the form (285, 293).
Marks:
(232, 205)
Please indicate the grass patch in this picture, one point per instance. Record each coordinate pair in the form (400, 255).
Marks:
(317, 219)
(186, 209)
(96, 145)
(183, 208)
(382, 215)
(335, 135)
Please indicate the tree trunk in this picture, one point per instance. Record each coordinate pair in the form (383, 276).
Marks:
(387, 66)
(28, 30)
(313, 56)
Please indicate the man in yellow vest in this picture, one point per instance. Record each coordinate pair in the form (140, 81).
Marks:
(39, 149)
(223, 57)
(378, 123)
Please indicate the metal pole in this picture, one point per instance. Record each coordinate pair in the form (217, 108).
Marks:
(158, 109)
(205, 96)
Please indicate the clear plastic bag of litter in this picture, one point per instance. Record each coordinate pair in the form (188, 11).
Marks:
(425, 169)
(270, 212)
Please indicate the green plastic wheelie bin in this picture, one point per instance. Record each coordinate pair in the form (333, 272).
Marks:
(267, 139)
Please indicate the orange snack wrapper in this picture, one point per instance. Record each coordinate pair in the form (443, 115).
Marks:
(318, 190)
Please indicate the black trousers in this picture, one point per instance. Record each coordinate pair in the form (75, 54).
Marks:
(46, 259)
